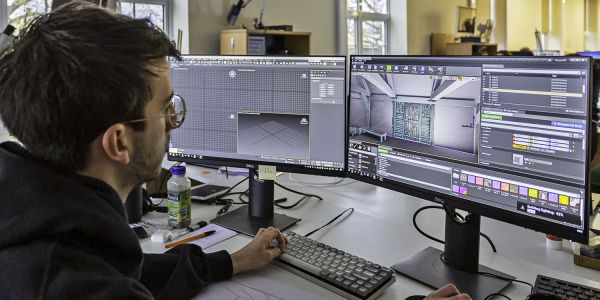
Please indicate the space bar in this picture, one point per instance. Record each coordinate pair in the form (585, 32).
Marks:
(299, 264)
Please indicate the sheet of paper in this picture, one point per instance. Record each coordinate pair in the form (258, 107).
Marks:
(252, 287)
(221, 234)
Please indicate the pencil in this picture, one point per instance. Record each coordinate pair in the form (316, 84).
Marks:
(189, 239)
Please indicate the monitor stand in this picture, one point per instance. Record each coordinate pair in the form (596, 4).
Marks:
(458, 263)
(259, 213)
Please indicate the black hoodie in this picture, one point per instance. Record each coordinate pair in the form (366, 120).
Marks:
(66, 236)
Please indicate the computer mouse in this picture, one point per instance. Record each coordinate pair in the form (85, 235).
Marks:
(543, 296)
(161, 236)
(415, 297)
(274, 244)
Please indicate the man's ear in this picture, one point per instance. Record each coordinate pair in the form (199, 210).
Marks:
(117, 143)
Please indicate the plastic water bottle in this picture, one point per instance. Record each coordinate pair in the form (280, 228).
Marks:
(179, 195)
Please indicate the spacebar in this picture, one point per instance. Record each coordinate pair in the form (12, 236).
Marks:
(299, 264)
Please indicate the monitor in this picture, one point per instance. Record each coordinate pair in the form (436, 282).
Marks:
(502, 137)
(592, 54)
(247, 111)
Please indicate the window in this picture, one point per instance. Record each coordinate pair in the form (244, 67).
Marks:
(158, 11)
(20, 12)
(368, 26)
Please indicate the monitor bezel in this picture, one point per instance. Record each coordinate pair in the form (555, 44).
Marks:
(253, 164)
(533, 223)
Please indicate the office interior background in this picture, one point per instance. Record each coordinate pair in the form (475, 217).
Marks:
(372, 27)
(344, 27)
(362, 26)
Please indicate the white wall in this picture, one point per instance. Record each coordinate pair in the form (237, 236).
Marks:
(181, 20)
(208, 17)
(574, 21)
(429, 16)
(523, 17)
(398, 38)
(425, 17)
(498, 15)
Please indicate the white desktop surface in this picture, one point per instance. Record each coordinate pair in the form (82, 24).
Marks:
(381, 230)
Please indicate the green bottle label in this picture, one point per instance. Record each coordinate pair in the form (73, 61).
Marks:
(179, 208)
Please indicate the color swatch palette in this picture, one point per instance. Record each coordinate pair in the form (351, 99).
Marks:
(515, 189)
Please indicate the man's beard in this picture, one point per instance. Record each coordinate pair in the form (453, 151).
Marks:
(145, 163)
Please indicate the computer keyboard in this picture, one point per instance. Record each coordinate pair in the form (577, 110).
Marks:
(566, 289)
(341, 272)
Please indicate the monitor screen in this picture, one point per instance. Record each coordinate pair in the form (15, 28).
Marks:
(503, 137)
(248, 110)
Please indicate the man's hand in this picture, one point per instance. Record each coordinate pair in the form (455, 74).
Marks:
(448, 292)
(259, 252)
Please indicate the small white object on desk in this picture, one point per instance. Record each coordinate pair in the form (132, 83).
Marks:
(161, 236)
(554, 242)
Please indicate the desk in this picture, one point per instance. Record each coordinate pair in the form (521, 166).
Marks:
(381, 230)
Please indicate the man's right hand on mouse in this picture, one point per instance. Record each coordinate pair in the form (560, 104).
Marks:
(259, 251)
(447, 292)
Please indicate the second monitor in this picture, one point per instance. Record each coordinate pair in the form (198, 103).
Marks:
(246, 111)
(502, 137)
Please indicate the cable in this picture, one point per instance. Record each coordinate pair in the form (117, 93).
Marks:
(242, 194)
(246, 193)
(496, 294)
(332, 220)
(451, 215)
(227, 192)
(225, 207)
(292, 205)
(297, 192)
(489, 241)
(506, 279)
(305, 196)
(419, 229)
(229, 202)
(240, 197)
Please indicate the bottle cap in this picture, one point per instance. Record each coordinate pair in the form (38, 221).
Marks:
(178, 170)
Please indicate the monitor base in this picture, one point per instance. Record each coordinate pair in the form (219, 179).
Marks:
(428, 268)
(240, 221)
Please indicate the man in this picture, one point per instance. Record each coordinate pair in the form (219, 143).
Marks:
(88, 93)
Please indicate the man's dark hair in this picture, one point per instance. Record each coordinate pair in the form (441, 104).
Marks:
(73, 73)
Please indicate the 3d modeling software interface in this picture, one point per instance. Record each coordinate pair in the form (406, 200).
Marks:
(287, 110)
(505, 133)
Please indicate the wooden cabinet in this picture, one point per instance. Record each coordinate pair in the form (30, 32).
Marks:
(439, 42)
(264, 42)
(471, 49)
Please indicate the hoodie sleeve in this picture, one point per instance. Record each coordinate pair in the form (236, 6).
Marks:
(182, 272)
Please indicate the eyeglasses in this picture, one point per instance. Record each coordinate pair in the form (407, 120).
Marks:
(175, 114)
